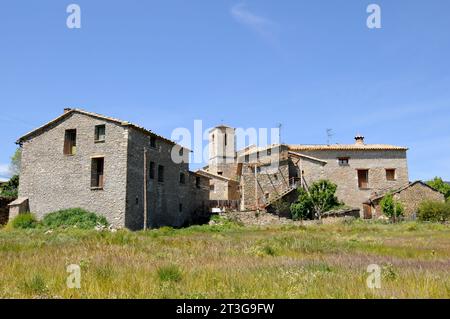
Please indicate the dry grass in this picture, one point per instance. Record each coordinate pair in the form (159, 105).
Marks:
(327, 261)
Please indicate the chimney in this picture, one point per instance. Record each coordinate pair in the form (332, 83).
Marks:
(359, 139)
(67, 109)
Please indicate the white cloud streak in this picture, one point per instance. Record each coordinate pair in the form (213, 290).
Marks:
(5, 172)
(261, 25)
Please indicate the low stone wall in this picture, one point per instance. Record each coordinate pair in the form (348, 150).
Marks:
(4, 209)
(345, 212)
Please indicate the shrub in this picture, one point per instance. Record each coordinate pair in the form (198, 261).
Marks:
(391, 208)
(74, 217)
(440, 185)
(169, 273)
(431, 211)
(24, 221)
(318, 199)
(34, 286)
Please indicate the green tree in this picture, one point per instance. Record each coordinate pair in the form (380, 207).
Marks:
(10, 189)
(16, 162)
(280, 207)
(315, 201)
(440, 185)
(391, 208)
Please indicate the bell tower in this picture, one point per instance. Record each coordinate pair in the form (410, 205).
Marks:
(222, 149)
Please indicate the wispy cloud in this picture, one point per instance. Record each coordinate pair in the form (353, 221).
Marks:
(264, 27)
(5, 172)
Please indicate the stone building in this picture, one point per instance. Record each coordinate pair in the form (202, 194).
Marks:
(112, 167)
(410, 195)
(266, 174)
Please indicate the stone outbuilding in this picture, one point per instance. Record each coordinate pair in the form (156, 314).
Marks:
(127, 173)
(410, 195)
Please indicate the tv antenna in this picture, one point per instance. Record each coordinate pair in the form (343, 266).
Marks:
(330, 134)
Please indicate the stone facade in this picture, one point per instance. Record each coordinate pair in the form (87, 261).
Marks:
(52, 180)
(410, 196)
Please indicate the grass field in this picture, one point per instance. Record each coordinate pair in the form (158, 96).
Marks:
(229, 261)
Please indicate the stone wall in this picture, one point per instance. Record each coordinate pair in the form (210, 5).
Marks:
(411, 198)
(4, 209)
(54, 181)
(346, 177)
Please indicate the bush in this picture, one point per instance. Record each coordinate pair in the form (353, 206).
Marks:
(391, 208)
(440, 185)
(431, 211)
(24, 221)
(74, 217)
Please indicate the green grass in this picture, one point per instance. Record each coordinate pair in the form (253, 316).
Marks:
(227, 260)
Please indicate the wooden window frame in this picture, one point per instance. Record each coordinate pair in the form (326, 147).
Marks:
(394, 178)
(367, 182)
(97, 179)
(97, 135)
(70, 142)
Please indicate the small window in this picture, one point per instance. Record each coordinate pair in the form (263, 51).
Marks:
(363, 178)
(269, 152)
(211, 187)
(247, 158)
(226, 138)
(182, 178)
(343, 161)
(220, 173)
(275, 176)
(180, 207)
(100, 133)
(390, 174)
(152, 170)
(97, 177)
(70, 142)
(197, 182)
(160, 173)
(153, 141)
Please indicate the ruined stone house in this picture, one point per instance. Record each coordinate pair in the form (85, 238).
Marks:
(112, 167)
(266, 174)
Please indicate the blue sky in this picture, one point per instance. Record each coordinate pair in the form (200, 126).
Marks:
(310, 65)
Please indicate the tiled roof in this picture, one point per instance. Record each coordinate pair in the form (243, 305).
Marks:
(95, 115)
(214, 176)
(383, 193)
(348, 147)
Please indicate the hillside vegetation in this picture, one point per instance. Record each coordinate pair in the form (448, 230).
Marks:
(229, 261)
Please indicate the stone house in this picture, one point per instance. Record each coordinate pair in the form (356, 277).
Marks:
(410, 195)
(117, 169)
(266, 174)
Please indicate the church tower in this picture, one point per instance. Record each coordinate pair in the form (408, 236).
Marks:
(222, 151)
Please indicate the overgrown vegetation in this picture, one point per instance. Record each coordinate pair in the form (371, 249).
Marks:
(392, 208)
(74, 217)
(212, 261)
(438, 184)
(319, 198)
(10, 189)
(431, 211)
(23, 221)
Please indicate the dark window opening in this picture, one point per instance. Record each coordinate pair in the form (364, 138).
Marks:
(343, 161)
(225, 138)
(269, 152)
(100, 133)
(197, 182)
(247, 158)
(97, 176)
(180, 207)
(70, 142)
(153, 141)
(220, 173)
(160, 173)
(152, 170)
(363, 178)
(182, 178)
(390, 175)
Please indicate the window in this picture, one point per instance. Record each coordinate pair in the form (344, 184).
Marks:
(269, 152)
(100, 131)
(211, 187)
(70, 142)
(152, 170)
(225, 138)
(197, 182)
(182, 178)
(180, 207)
(390, 174)
(275, 176)
(160, 173)
(153, 141)
(363, 178)
(97, 177)
(220, 173)
(247, 158)
(343, 161)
